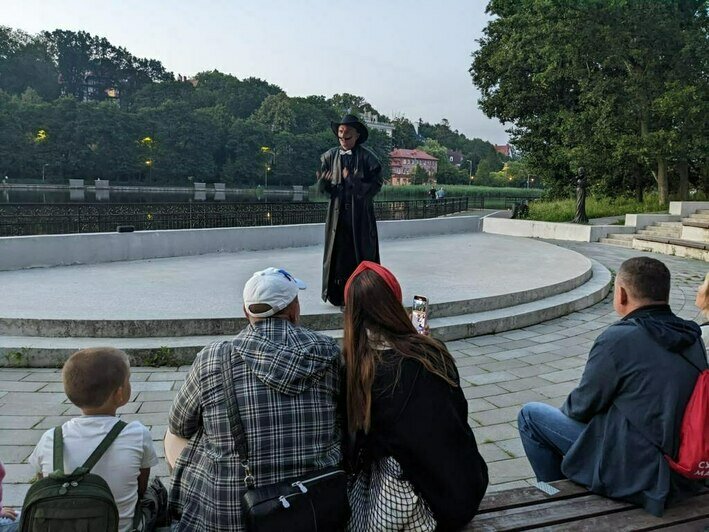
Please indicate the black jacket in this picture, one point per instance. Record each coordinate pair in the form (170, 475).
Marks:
(633, 394)
(422, 422)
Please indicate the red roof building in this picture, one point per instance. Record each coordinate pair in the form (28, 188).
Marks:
(504, 149)
(404, 162)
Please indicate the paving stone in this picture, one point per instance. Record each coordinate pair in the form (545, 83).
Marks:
(496, 415)
(158, 432)
(490, 339)
(515, 344)
(494, 433)
(155, 406)
(50, 422)
(43, 377)
(25, 398)
(18, 473)
(557, 390)
(510, 470)
(482, 350)
(20, 436)
(469, 371)
(19, 422)
(163, 376)
(541, 348)
(527, 383)
(12, 375)
(567, 363)
(504, 365)
(479, 405)
(21, 386)
(549, 337)
(512, 354)
(489, 378)
(32, 410)
(513, 446)
(541, 358)
(158, 418)
(504, 486)
(15, 454)
(492, 453)
(573, 374)
(519, 334)
(515, 398)
(473, 392)
(156, 396)
(532, 370)
(13, 495)
(152, 386)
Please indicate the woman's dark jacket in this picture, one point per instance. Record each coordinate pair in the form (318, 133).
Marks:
(363, 184)
(633, 394)
(422, 422)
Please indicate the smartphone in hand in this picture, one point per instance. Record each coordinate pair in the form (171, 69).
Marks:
(419, 313)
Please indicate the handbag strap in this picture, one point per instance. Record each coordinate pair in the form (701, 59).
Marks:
(93, 458)
(232, 410)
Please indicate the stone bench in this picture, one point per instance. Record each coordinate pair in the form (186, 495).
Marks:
(575, 508)
(694, 223)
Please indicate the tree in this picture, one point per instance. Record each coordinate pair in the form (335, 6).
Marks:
(419, 176)
(583, 85)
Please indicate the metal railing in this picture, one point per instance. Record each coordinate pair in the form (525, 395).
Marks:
(63, 218)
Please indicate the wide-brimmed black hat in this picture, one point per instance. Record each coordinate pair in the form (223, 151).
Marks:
(352, 121)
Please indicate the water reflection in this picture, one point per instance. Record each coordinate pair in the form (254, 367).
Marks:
(77, 194)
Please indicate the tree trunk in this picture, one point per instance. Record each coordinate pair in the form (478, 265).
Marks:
(638, 184)
(683, 170)
(662, 184)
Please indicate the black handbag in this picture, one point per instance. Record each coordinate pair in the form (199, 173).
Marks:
(314, 501)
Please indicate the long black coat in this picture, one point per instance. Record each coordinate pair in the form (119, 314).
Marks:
(632, 394)
(366, 181)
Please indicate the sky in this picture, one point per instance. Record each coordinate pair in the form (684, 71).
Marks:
(405, 57)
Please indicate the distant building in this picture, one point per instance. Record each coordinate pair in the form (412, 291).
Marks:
(504, 149)
(371, 120)
(404, 162)
(455, 157)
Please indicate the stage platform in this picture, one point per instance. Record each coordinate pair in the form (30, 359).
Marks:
(476, 283)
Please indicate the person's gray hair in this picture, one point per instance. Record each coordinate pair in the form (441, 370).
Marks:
(645, 278)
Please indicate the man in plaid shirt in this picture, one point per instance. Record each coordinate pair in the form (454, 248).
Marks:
(286, 381)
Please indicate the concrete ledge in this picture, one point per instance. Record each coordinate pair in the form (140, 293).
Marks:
(92, 248)
(696, 231)
(668, 248)
(552, 230)
(685, 208)
(26, 351)
(641, 221)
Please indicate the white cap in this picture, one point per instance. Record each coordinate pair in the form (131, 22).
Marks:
(274, 287)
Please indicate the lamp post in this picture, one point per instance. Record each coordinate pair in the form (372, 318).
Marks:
(267, 151)
(43, 168)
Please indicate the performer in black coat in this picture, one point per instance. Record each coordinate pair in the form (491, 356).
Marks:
(351, 175)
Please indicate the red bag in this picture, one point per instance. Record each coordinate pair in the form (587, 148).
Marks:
(693, 456)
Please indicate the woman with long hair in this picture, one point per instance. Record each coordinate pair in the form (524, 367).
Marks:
(414, 458)
(702, 302)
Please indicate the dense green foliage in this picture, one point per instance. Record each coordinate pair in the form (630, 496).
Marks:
(72, 105)
(619, 87)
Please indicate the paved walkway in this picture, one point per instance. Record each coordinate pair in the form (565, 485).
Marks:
(499, 373)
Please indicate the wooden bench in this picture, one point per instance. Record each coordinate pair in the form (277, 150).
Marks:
(575, 508)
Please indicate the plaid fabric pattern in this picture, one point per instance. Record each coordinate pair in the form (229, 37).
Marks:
(287, 380)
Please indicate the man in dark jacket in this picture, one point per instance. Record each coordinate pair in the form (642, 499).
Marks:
(611, 433)
(351, 175)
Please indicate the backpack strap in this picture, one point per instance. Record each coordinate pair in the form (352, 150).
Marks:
(101, 449)
(58, 450)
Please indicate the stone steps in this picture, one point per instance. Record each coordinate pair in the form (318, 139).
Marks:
(37, 351)
(621, 240)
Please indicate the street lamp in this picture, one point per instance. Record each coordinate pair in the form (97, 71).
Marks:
(267, 151)
(43, 167)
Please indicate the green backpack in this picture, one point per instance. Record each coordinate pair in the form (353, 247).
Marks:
(80, 501)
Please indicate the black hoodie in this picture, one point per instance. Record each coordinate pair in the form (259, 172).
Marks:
(633, 394)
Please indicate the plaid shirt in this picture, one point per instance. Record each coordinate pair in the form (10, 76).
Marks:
(286, 379)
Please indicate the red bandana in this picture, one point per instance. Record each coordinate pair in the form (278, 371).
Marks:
(380, 270)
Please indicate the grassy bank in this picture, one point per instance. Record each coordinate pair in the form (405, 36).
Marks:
(389, 192)
(565, 210)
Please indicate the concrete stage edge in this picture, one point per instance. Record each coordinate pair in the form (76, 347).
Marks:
(477, 283)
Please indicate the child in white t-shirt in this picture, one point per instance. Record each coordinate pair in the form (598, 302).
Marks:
(98, 382)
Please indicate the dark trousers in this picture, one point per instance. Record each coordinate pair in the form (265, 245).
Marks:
(344, 258)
